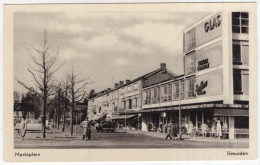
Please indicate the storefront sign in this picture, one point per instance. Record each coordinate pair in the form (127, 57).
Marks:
(212, 23)
(199, 88)
(208, 30)
(203, 64)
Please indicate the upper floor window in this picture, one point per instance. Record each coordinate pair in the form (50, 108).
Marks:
(129, 88)
(189, 40)
(122, 90)
(135, 86)
(170, 91)
(176, 90)
(190, 63)
(164, 92)
(190, 86)
(240, 52)
(240, 22)
(240, 81)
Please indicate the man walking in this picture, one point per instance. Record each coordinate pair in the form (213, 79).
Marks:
(169, 131)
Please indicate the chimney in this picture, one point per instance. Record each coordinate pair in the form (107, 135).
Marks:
(127, 81)
(121, 83)
(163, 67)
(116, 85)
(108, 89)
(105, 91)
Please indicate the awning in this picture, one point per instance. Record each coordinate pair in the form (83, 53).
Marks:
(122, 117)
(97, 117)
(231, 112)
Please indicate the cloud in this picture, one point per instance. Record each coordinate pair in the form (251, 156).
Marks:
(104, 44)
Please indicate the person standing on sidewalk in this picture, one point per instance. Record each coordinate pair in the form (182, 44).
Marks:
(85, 125)
(23, 127)
(218, 129)
(169, 131)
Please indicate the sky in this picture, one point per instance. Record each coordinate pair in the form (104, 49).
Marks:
(105, 47)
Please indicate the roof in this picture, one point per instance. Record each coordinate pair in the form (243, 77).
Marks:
(135, 80)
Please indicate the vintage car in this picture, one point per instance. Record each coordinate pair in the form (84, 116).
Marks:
(106, 127)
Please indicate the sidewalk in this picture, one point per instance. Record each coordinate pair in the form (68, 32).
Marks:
(185, 137)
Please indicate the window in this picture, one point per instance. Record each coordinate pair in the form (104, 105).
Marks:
(164, 93)
(182, 89)
(122, 90)
(240, 53)
(169, 91)
(237, 80)
(155, 95)
(245, 83)
(124, 105)
(240, 22)
(147, 96)
(190, 63)
(129, 88)
(189, 40)
(130, 103)
(175, 90)
(135, 86)
(190, 83)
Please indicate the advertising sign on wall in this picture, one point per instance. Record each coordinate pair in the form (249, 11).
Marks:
(209, 56)
(209, 84)
(208, 30)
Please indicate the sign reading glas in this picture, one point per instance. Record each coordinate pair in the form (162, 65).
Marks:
(208, 29)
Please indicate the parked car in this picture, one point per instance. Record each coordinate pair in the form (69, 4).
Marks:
(106, 127)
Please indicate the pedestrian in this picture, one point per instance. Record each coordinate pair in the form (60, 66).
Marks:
(204, 128)
(160, 127)
(23, 127)
(85, 125)
(169, 131)
(190, 129)
(175, 131)
(218, 129)
(88, 134)
(225, 131)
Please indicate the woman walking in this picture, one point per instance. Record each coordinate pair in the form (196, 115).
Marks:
(23, 127)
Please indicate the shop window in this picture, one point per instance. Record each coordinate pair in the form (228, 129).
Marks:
(190, 63)
(240, 22)
(241, 122)
(190, 86)
(240, 53)
(189, 40)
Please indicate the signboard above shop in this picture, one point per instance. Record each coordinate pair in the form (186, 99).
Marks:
(204, 32)
(208, 30)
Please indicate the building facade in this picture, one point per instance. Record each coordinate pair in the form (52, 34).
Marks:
(123, 104)
(215, 84)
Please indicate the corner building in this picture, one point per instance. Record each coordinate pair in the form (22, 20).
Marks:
(215, 84)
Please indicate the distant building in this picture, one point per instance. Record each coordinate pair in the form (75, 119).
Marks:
(124, 102)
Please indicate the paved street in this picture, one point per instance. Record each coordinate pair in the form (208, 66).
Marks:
(120, 140)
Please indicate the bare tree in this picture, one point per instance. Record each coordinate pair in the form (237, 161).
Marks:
(76, 92)
(42, 73)
(16, 96)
